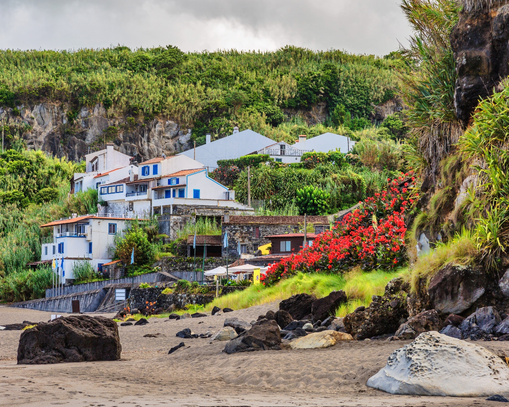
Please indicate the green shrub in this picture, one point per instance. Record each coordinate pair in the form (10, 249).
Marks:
(46, 195)
(84, 272)
(312, 201)
(182, 285)
(26, 285)
(135, 239)
(144, 285)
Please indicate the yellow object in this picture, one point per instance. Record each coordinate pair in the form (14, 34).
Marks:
(215, 278)
(54, 264)
(265, 249)
(256, 276)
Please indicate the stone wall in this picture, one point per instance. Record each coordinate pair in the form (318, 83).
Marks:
(179, 264)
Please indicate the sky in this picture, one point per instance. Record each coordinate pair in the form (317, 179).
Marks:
(356, 26)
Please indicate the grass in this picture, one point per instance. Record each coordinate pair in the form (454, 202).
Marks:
(359, 287)
(191, 309)
(461, 250)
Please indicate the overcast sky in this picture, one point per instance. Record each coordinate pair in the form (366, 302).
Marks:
(358, 26)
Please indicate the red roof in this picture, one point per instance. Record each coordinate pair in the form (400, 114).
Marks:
(111, 263)
(120, 181)
(138, 181)
(309, 235)
(106, 173)
(79, 219)
(183, 172)
(153, 161)
(169, 186)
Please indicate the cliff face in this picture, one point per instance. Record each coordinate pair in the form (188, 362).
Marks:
(481, 49)
(61, 132)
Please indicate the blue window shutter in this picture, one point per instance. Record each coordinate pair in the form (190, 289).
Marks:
(196, 193)
(174, 193)
(154, 169)
(90, 247)
(167, 193)
(177, 181)
(169, 181)
(182, 193)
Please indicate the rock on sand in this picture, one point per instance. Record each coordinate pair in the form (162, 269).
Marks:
(322, 339)
(437, 365)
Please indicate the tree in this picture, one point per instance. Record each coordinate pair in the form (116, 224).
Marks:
(136, 238)
(312, 201)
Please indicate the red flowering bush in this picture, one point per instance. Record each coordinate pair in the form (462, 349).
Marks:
(372, 236)
(226, 175)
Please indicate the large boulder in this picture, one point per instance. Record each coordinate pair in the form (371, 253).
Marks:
(481, 324)
(455, 288)
(264, 335)
(283, 318)
(383, 316)
(438, 365)
(298, 306)
(322, 339)
(224, 334)
(325, 307)
(239, 326)
(423, 322)
(79, 338)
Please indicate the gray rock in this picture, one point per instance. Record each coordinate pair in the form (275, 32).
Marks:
(437, 365)
(504, 283)
(185, 316)
(452, 331)
(265, 335)
(308, 327)
(503, 327)
(481, 323)
(224, 334)
(239, 326)
(405, 331)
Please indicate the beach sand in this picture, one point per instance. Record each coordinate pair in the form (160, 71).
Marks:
(202, 375)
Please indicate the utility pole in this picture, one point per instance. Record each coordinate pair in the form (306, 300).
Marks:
(248, 185)
(3, 135)
(195, 150)
(305, 229)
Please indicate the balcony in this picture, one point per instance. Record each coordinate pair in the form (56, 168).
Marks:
(290, 152)
(70, 234)
(131, 194)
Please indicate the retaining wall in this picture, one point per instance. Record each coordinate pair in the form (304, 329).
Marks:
(89, 302)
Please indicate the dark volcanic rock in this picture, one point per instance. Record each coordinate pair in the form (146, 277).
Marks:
(503, 327)
(452, 331)
(481, 324)
(264, 335)
(175, 348)
(215, 310)
(71, 339)
(186, 334)
(198, 315)
(455, 288)
(423, 322)
(454, 320)
(327, 306)
(479, 42)
(142, 321)
(383, 316)
(126, 323)
(239, 326)
(498, 397)
(283, 318)
(227, 310)
(295, 325)
(174, 316)
(298, 306)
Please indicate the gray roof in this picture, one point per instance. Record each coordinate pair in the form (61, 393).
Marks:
(327, 142)
(234, 146)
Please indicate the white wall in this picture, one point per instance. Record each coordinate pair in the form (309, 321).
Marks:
(142, 209)
(179, 163)
(109, 159)
(209, 189)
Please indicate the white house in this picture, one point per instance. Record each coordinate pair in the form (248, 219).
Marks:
(234, 146)
(283, 152)
(81, 238)
(325, 142)
(103, 166)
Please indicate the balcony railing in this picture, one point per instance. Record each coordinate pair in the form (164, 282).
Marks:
(291, 152)
(70, 234)
(136, 194)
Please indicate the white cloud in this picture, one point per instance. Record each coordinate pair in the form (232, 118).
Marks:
(358, 26)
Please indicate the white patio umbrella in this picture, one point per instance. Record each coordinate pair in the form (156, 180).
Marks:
(218, 271)
(245, 268)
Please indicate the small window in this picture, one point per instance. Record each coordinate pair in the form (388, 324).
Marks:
(90, 247)
(243, 248)
(97, 185)
(182, 193)
(120, 189)
(154, 169)
(285, 246)
(112, 228)
(279, 160)
(256, 232)
(145, 170)
(60, 248)
(104, 190)
(143, 188)
(53, 249)
(174, 193)
(100, 267)
(111, 190)
(46, 250)
(196, 193)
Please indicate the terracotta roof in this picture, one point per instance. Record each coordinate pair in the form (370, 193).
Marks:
(106, 173)
(309, 235)
(169, 186)
(153, 161)
(183, 172)
(209, 240)
(36, 263)
(79, 219)
(111, 263)
(120, 181)
(137, 180)
(276, 220)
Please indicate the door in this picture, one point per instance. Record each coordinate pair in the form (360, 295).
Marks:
(196, 193)
(167, 193)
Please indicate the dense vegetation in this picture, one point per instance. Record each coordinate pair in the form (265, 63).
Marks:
(208, 91)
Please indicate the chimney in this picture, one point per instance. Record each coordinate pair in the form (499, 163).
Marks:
(110, 147)
(207, 138)
(235, 130)
(131, 174)
(302, 138)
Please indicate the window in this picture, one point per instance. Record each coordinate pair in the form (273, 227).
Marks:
(143, 188)
(174, 193)
(279, 160)
(256, 232)
(104, 190)
(90, 247)
(60, 248)
(46, 251)
(53, 249)
(282, 149)
(167, 193)
(243, 248)
(111, 190)
(145, 170)
(112, 228)
(120, 188)
(285, 246)
(182, 193)
(100, 267)
(97, 185)
(154, 169)
(173, 181)
(80, 229)
(196, 193)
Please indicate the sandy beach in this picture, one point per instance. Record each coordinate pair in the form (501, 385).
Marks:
(201, 374)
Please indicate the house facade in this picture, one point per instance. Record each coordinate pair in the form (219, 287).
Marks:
(283, 152)
(247, 233)
(81, 238)
(290, 242)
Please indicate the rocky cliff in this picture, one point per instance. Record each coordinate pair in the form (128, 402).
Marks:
(481, 49)
(63, 132)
